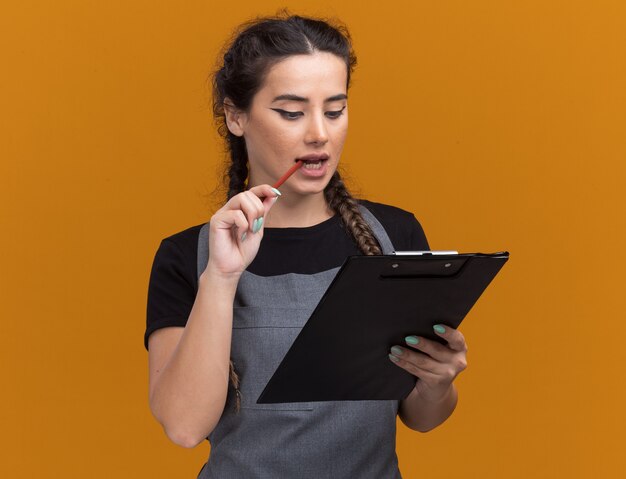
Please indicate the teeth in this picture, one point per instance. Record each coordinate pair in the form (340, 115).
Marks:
(313, 166)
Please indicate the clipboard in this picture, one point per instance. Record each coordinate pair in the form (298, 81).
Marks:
(374, 302)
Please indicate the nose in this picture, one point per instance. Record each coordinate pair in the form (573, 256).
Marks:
(316, 131)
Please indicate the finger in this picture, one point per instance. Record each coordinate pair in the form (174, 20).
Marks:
(409, 360)
(266, 194)
(253, 209)
(424, 375)
(230, 219)
(428, 378)
(256, 203)
(447, 358)
(455, 338)
(435, 350)
(424, 365)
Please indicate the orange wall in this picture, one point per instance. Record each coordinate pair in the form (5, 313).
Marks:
(501, 125)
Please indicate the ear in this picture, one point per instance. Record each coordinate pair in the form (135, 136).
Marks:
(235, 118)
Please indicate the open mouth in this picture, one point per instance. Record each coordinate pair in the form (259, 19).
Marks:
(313, 161)
(313, 164)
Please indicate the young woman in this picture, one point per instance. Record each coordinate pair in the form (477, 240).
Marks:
(227, 299)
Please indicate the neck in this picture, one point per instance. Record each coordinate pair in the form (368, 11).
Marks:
(298, 211)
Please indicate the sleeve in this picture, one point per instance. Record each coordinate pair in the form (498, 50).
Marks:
(171, 290)
(418, 241)
(403, 228)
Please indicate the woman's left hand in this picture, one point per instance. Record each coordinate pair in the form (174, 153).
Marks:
(436, 365)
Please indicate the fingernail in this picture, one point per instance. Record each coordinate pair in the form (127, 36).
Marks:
(412, 340)
(396, 351)
(243, 236)
(278, 193)
(393, 358)
(256, 224)
(439, 328)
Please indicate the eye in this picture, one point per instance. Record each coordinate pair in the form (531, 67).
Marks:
(289, 115)
(333, 115)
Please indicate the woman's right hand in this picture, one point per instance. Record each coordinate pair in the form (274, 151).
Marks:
(233, 239)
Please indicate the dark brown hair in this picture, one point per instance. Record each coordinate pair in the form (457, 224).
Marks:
(256, 47)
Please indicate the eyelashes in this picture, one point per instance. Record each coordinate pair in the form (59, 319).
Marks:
(336, 114)
(288, 115)
(294, 115)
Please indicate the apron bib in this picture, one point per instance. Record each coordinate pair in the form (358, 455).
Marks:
(332, 439)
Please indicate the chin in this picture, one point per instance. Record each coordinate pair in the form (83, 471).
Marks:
(313, 188)
(308, 191)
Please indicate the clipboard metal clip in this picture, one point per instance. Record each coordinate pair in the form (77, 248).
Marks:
(423, 253)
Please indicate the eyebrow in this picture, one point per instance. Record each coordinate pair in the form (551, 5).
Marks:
(291, 97)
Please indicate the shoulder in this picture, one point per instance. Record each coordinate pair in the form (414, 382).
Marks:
(173, 281)
(388, 213)
(177, 254)
(186, 240)
(403, 228)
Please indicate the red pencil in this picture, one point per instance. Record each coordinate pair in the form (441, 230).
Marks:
(290, 172)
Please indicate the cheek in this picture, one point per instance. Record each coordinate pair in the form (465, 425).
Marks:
(282, 139)
(340, 133)
(270, 137)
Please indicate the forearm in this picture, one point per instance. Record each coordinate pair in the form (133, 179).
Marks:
(421, 414)
(190, 391)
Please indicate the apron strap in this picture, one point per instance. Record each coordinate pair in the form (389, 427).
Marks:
(203, 248)
(377, 229)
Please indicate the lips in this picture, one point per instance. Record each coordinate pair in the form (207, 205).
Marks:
(314, 166)
(313, 157)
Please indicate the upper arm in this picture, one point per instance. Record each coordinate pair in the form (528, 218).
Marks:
(171, 294)
(171, 289)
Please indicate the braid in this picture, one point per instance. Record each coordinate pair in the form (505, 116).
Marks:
(341, 202)
(237, 175)
(254, 48)
(234, 380)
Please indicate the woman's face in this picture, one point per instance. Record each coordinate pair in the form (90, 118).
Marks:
(300, 112)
